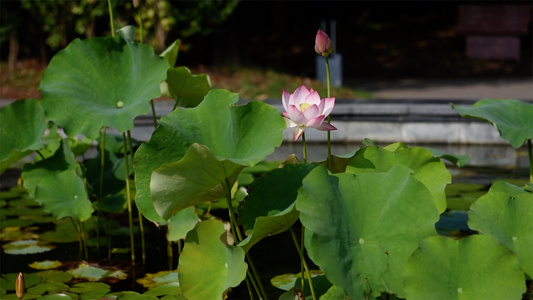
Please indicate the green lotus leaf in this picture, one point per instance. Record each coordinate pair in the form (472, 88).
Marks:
(152, 280)
(197, 178)
(360, 229)
(47, 264)
(287, 281)
(207, 266)
(137, 297)
(171, 53)
(188, 89)
(101, 82)
(62, 160)
(16, 233)
(244, 135)
(63, 195)
(8, 281)
(506, 187)
(90, 290)
(181, 223)
(55, 276)
(509, 218)
(334, 293)
(270, 225)
(458, 160)
(427, 168)
(23, 127)
(84, 287)
(62, 296)
(15, 223)
(172, 288)
(512, 118)
(122, 295)
(55, 183)
(88, 272)
(268, 211)
(48, 287)
(26, 247)
(476, 267)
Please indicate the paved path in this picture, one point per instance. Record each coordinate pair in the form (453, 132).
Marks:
(472, 89)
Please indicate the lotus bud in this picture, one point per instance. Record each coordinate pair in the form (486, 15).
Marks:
(323, 44)
(19, 285)
(136, 3)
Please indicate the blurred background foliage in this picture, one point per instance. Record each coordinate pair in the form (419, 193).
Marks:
(38, 29)
(377, 39)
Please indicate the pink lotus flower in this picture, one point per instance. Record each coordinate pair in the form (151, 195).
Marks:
(305, 109)
(323, 44)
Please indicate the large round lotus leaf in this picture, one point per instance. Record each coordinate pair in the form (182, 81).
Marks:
(509, 218)
(476, 267)
(243, 135)
(511, 117)
(23, 126)
(101, 82)
(207, 266)
(428, 169)
(269, 207)
(360, 229)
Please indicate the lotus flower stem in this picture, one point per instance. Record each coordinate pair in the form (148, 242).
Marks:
(128, 198)
(304, 148)
(254, 275)
(247, 280)
(141, 39)
(329, 116)
(154, 115)
(40, 154)
(76, 227)
(102, 160)
(84, 240)
(302, 258)
(143, 243)
(530, 154)
(141, 224)
(111, 18)
(170, 255)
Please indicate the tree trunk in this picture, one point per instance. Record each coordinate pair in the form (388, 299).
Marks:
(13, 51)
